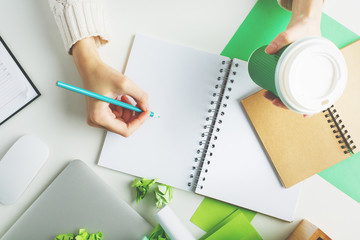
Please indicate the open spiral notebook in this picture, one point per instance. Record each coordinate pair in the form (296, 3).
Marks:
(203, 141)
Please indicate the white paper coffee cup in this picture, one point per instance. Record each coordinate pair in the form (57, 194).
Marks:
(310, 75)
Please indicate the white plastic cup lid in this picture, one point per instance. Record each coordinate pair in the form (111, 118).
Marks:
(311, 75)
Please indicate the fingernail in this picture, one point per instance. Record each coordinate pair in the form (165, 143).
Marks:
(271, 48)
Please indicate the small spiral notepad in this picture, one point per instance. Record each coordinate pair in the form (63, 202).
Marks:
(203, 141)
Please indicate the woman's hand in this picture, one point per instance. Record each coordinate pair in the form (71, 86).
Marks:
(102, 79)
(305, 22)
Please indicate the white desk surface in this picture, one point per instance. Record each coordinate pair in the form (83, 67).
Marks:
(58, 116)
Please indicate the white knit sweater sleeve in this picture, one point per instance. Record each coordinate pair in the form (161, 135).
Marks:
(78, 19)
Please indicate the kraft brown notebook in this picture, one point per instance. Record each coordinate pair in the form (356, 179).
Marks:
(301, 147)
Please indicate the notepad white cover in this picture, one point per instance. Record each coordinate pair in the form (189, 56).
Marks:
(180, 82)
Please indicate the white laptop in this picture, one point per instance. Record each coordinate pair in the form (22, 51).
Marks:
(76, 199)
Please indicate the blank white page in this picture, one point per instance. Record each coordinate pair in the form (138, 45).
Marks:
(180, 82)
(239, 171)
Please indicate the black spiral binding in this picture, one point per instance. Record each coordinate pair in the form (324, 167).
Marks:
(204, 154)
(339, 129)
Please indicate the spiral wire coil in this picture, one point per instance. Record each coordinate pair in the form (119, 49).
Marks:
(217, 110)
(339, 129)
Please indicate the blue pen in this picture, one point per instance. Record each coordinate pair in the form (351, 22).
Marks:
(101, 97)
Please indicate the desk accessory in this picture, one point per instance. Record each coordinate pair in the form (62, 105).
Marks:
(77, 199)
(204, 141)
(101, 97)
(308, 75)
(17, 90)
(307, 231)
(211, 212)
(300, 148)
(172, 225)
(19, 166)
(235, 226)
(264, 22)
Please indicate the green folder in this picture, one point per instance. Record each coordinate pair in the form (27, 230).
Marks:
(236, 226)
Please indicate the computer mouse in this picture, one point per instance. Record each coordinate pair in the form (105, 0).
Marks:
(19, 166)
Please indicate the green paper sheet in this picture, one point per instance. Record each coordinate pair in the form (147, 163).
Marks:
(211, 212)
(265, 21)
(345, 176)
(235, 226)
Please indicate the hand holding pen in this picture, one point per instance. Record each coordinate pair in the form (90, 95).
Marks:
(104, 80)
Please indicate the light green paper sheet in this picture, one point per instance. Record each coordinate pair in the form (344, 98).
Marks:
(211, 212)
(345, 176)
(235, 226)
(265, 21)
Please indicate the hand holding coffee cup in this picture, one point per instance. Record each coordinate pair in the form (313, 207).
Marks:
(305, 22)
(308, 75)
